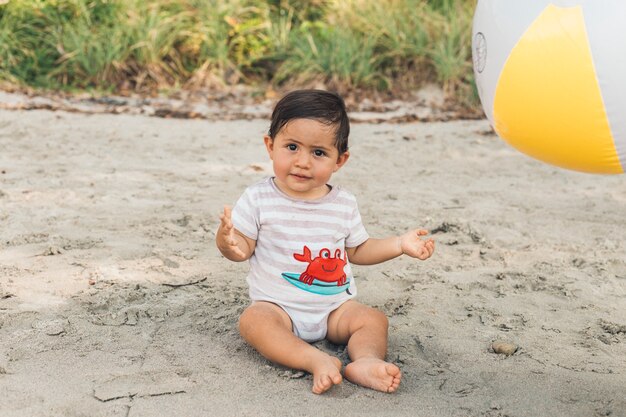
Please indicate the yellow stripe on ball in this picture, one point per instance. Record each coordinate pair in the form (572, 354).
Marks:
(548, 102)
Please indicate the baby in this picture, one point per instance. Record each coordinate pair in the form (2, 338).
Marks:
(300, 235)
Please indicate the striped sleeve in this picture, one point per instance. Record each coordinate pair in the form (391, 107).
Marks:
(245, 215)
(357, 233)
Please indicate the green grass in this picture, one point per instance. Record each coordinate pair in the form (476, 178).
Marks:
(144, 46)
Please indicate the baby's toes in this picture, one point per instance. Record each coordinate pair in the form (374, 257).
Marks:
(322, 384)
(394, 385)
(337, 379)
(396, 375)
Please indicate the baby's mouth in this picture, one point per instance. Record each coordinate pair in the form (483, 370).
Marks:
(302, 177)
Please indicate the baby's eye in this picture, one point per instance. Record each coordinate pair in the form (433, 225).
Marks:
(319, 152)
(292, 147)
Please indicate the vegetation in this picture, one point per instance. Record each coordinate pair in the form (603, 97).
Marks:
(151, 45)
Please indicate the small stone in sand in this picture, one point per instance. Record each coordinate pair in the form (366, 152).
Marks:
(504, 348)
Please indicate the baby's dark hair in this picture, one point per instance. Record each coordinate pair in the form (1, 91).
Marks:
(320, 105)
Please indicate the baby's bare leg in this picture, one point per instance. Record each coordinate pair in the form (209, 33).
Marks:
(267, 328)
(364, 329)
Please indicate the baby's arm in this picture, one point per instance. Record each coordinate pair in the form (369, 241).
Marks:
(374, 251)
(231, 242)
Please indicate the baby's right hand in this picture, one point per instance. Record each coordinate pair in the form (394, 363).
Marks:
(226, 239)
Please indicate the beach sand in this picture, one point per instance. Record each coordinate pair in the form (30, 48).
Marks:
(114, 300)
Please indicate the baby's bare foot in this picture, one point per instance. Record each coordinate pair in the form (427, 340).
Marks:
(374, 373)
(326, 373)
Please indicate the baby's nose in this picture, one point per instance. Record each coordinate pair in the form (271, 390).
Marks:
(303, 159)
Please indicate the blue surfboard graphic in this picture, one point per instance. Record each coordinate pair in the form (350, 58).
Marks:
(317, 287)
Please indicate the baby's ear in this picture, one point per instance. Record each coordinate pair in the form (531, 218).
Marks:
(269, 144)
(341, 160)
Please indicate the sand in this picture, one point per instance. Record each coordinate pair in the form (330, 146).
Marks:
(114, 300)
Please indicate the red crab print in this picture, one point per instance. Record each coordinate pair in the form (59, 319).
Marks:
(324, 267)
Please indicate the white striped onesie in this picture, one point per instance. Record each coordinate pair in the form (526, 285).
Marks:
(300, 262)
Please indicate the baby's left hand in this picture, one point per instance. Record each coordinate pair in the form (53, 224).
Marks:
(411, 244)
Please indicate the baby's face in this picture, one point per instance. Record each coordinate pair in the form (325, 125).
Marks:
(304, 158)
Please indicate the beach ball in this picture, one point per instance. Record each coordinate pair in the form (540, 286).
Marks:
(551, 76)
